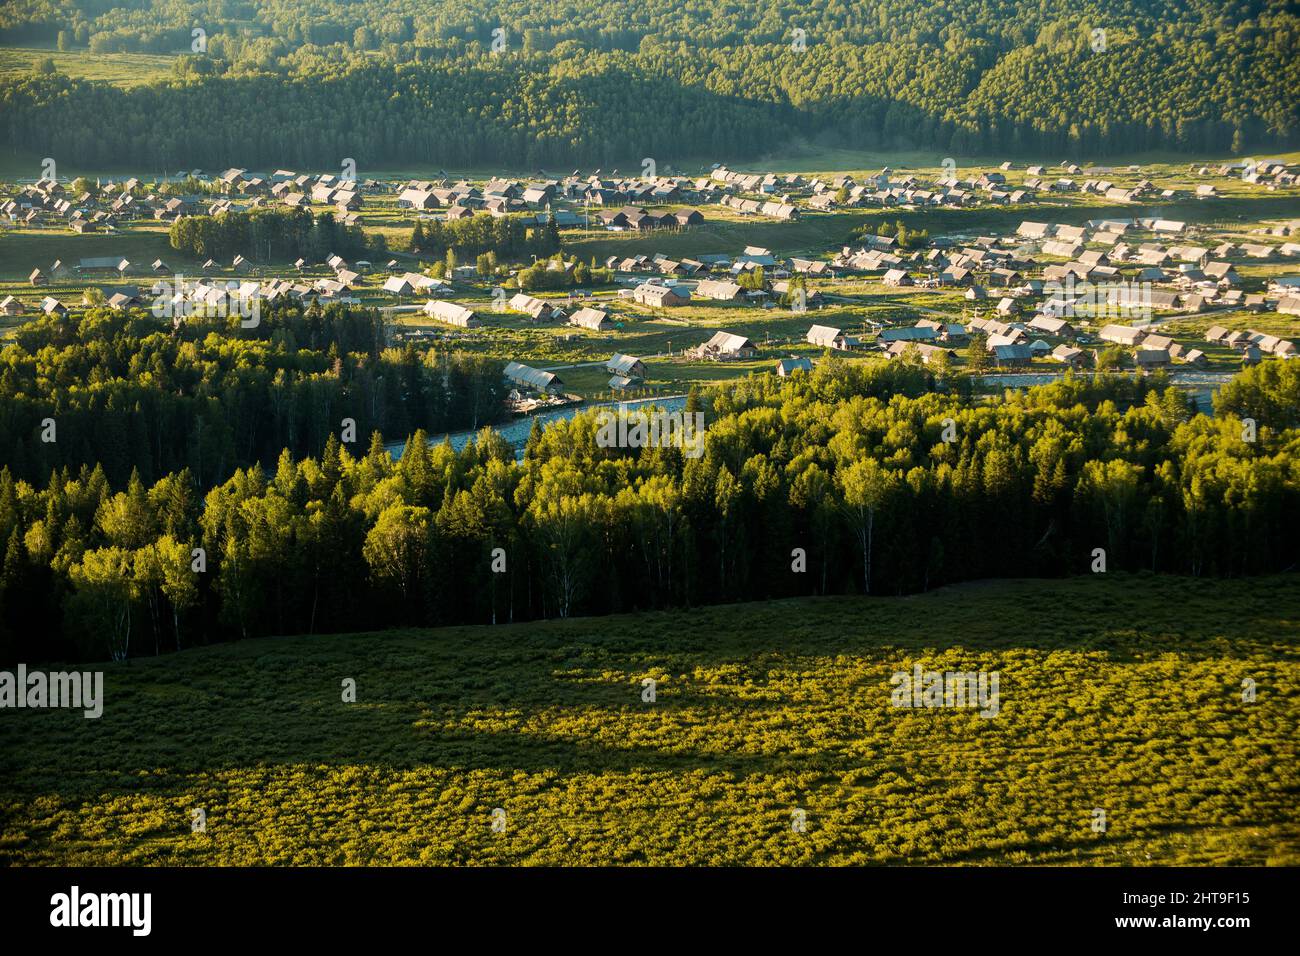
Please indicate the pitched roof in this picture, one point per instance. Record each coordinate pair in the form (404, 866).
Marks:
(729, 342)
(532, 377)
(622, 364)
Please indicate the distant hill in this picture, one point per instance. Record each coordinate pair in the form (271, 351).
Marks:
(1116, 693)
(576, 81)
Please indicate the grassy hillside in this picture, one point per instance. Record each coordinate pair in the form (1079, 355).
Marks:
(1121, 693)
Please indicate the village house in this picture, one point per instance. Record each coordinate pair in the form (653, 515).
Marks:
(346, 199)
(917, 333)
(812, 298)
(590, 318)
(726, 346)
(1007, 306)
(1272, 344)
(539, 195)
(1070, 355)
(1034, 230)
(398, 286)
(924, 351)
(417, 199)
(1012, 356)
(626, 368)
(532, 378)
(451, 313)
(824, 336)
(1163, 300)
(1065, 249)
(1121, 335)
(1052, 326)
(1158, 342)
(103, 264)
(719, 290)
(661, 296)
(1146, 358)
(996, 340)
(538, 309)
(788, 366)
(946, 332)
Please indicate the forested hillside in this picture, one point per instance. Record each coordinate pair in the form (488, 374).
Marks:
(584, 82)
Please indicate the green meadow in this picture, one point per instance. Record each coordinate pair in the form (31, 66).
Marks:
(1117, 693)
(118, 69)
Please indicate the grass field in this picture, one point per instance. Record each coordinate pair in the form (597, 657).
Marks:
(119, 69)
(1117, 693)
(21, 251)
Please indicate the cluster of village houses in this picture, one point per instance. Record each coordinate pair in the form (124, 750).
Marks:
(1053, 270)
(613, 204)
(48, 202)
(1027, 304)
(1031, 294)
(1020, 294)
(1146, 270)
(625, 372)
(619, 202)
(212, 295)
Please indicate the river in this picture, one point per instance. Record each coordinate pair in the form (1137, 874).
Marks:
(516, 431)
(1202, 384)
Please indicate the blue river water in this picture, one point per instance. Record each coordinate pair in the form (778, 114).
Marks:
(516, 431)
(1201, 384)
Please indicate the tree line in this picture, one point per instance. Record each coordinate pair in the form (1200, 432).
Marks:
(269, 234)
(128, 393)
(508, 238)
(862, 477)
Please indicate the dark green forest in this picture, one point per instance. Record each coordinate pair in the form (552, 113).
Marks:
(272, 234)
(128, 393)
(849, 464)
(506, 237)
(578, 82)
